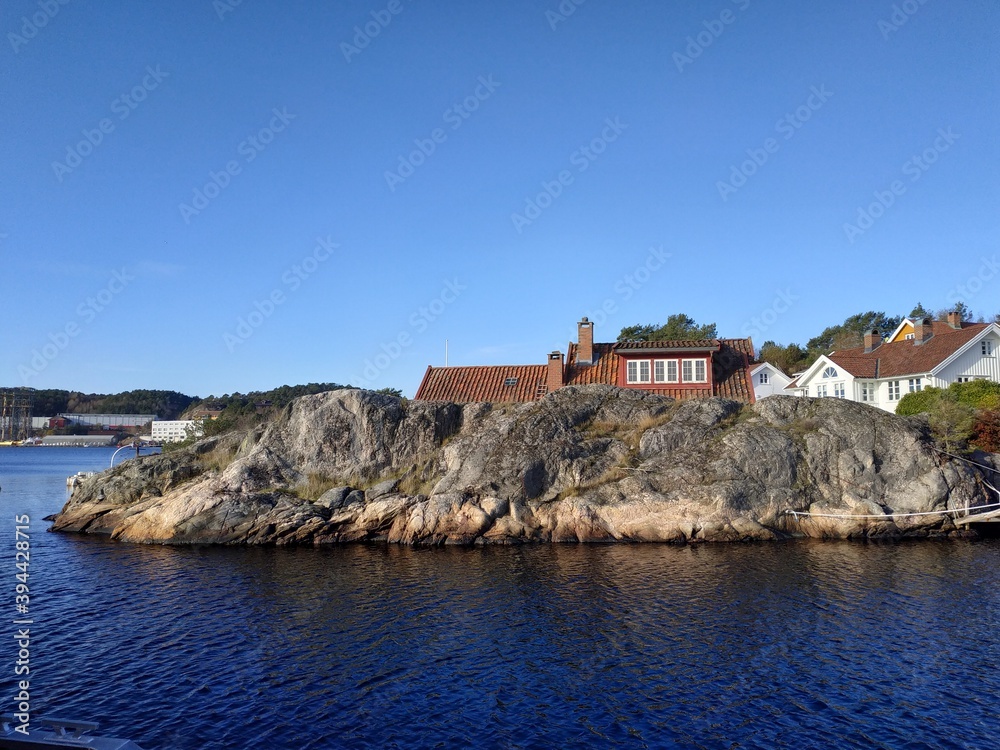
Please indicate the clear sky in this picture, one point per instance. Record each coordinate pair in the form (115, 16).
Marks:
(229, 196)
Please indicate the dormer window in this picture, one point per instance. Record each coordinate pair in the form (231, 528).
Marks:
(763, 378)
(830, 372)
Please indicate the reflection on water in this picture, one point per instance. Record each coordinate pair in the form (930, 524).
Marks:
(797, 645)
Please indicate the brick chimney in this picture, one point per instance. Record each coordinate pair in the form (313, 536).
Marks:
(872, 341)
(954, 319)
(554, 375)
(585, 345)
(921, 330)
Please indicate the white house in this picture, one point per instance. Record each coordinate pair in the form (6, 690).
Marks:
(768, 380)
(937, 354)
(175, 430)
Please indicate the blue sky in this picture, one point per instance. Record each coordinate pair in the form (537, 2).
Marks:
(217, 196)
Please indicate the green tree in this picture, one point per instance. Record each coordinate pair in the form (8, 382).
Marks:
(789, 359)
(678, 327)
(919, 312)
(952, 422)
(961, 308)
(851, 332)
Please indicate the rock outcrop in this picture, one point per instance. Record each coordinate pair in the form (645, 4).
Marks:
(586, 464)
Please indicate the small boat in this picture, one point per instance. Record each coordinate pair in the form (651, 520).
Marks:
(60, 733)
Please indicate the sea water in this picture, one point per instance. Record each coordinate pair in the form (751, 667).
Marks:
(797, 645)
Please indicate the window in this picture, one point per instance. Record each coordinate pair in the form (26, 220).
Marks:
(821, 391)
(838, 390)
(637, 371)
(693, 371)
(962, 380)
(665, 371)
(894, 390)
(916, 385)
(830, 372)
(910, 336)
(804, 392)
(510, 381)
(868, 392)
(987, 348)
(764, 378)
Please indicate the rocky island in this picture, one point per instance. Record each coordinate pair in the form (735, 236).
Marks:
(583, 464)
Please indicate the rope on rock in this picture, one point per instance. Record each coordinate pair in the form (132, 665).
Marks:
(886, 516)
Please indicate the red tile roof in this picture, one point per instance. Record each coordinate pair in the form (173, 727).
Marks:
(730, 371)
(906, 358)
(466, 385)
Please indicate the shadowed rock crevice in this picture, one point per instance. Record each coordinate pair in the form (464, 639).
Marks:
(593, 463)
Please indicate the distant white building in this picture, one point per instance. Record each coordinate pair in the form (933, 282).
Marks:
(768, 380)
(175, 430)
(108, 421)
(928, 354)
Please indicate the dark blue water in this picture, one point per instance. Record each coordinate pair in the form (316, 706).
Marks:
(797, 645)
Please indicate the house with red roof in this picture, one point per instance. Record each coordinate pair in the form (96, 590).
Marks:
(880, 373)
(680, 369)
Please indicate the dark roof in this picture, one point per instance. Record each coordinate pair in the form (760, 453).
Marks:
(905, 357)
(466, 385)
(700, 345)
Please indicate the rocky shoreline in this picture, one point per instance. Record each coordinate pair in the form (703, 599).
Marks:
(584, 464)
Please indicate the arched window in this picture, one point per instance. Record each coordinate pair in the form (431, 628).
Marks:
(830, 372)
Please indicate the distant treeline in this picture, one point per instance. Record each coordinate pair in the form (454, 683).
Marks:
(170, 404)
(237, 404)
(165, 404)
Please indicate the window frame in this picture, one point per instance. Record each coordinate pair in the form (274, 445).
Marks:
(694, 365)
(894, 390)
(636, 365)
